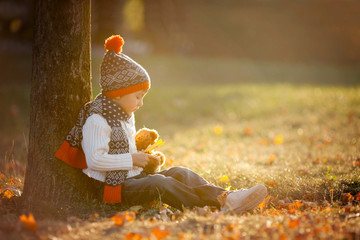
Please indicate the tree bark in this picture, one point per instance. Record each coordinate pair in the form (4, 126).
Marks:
(60, 85)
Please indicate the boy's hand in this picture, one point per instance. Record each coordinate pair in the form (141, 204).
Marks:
(140, 159)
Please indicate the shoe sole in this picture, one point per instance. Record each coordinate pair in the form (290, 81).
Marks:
(255, 197)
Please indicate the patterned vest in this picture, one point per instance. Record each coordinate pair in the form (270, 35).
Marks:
(71, 151)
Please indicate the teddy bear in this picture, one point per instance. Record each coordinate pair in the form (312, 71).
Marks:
(144, 139)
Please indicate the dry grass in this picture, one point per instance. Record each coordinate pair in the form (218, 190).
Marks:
(299, 140)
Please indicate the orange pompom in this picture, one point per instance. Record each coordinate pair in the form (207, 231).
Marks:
(115, 42)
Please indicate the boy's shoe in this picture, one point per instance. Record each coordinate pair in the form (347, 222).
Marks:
(242, 200)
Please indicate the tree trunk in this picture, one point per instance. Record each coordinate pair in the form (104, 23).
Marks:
(60, 85)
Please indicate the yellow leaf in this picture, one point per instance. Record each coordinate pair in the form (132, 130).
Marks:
(223, 179)
(29, 222)
(218, 130)
(155, 146)
(279, 139)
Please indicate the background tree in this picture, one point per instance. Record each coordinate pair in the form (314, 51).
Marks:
(60, 85)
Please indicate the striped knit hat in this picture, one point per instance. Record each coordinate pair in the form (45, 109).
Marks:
(120, 75)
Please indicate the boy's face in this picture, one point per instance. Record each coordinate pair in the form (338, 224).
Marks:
(131, 102)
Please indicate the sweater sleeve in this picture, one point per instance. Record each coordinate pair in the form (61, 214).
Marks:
(95, 144)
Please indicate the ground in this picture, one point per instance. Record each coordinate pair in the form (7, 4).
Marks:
(299, 139)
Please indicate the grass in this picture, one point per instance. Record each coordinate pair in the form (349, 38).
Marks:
(300, 140)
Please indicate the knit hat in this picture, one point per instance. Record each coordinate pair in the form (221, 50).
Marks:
(120, 75)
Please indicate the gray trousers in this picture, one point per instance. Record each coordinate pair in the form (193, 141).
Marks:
(177, 187)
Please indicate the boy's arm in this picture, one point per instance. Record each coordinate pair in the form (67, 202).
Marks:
(95, 144)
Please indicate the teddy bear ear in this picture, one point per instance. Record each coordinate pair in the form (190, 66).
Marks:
(154, 135)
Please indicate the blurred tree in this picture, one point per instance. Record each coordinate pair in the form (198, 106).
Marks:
(60, 85)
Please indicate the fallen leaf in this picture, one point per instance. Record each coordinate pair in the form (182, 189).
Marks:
(358, 197)
(29, 222)
(121, 217)
(273, 184)
(303, 172)
(160, 233)
(185, 236)
(272, 158)
(264, 142)
(279, 139)
(133, 236)
(356, 163)
(119, 221)
(294, 223)
(218, 130)
(6, 193)
(248, 131)
(223, 179)
(347, 197)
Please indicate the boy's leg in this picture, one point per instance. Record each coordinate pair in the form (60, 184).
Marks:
(207, 192)
(185, 176)
(170, 190)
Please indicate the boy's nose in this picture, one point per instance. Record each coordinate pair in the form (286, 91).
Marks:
(140, 103)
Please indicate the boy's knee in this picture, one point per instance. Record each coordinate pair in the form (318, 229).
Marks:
(158, 180)
(179, 170)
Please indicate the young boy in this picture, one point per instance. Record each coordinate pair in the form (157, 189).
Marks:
(102, 143)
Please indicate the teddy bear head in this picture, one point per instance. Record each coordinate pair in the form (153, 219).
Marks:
(145, 137)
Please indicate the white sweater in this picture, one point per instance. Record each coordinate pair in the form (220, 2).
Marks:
(95, 144)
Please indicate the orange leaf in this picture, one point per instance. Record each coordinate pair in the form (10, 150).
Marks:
(121, 217)
(356, 163)
(262, 205)
(272, 158)
(29, 222)
(291, 211)
(160, 233)
(7, 193)
(248, 131)
(184, 236)
(129, 216)
(283, 236)
(119, 221)
(273, 184)
(264, 142)
(133, 236)
(358, 197)
(347, 198)
(294, 223)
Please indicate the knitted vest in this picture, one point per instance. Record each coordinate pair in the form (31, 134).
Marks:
(71, 151)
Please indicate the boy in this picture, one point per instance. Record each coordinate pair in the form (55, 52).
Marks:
(102, 143)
